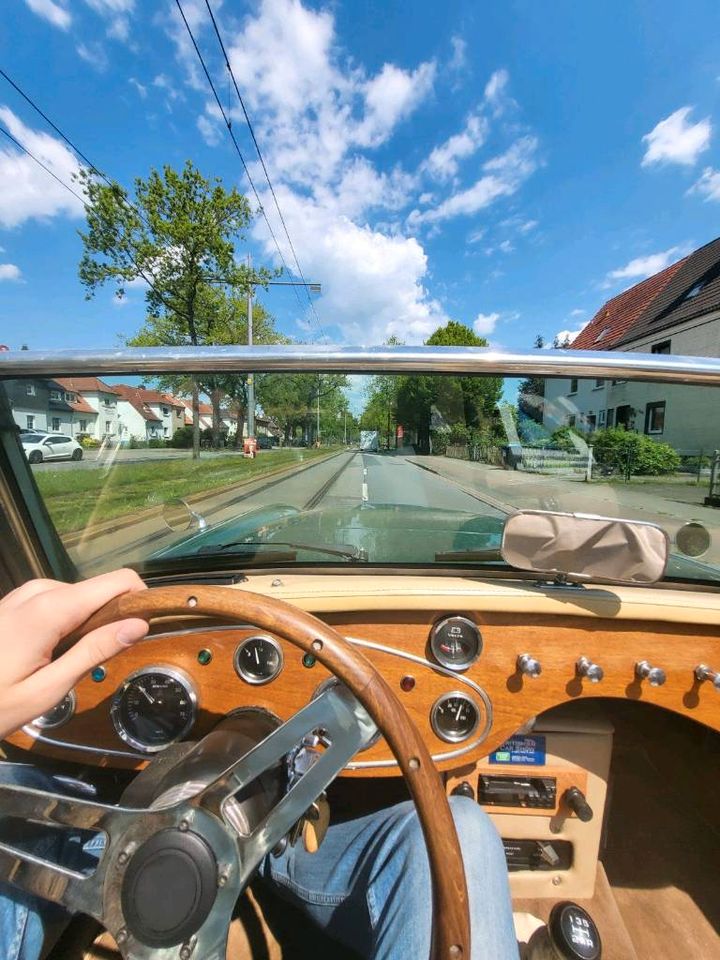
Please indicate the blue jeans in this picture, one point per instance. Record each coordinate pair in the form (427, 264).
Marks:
(368, 886)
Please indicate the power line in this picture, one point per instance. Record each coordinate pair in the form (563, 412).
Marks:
(262, 160)
(228, 124)
(43, 165)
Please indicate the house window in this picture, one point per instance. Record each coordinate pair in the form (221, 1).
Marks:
(655, 417)
(601, 418)
(70, 397)
(663, 347)
(598, 384)
(166, 411)
(591, 421)
(623, 416)
(30, 422)
(108, 426)
(83, 426)
(573, 386)
(55, 395)
(166, 432)
(55, 423)
(571, 420)
(611, 417)
(30, 389)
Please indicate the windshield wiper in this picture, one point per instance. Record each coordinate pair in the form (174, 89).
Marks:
(469, 555)
(350, 554)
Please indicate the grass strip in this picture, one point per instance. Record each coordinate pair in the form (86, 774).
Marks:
(78, 498)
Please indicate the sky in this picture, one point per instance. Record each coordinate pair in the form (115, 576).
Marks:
(510, 165)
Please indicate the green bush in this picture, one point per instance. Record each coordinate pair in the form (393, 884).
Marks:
(562, 439)
(622, 450)
(87, 442)
(157, 444)
(183, 437)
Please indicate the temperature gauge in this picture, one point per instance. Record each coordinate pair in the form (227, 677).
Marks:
(455, 642)
(454, 717)
(258, 660)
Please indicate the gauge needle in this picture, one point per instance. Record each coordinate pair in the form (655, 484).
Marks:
(147, 695)
(458, 713)
(257, 657)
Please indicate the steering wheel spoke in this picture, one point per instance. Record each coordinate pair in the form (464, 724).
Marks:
(344, 727)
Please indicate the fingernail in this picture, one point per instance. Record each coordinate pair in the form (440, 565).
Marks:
(129, 633)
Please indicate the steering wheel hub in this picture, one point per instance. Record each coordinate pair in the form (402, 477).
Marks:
(169, 888)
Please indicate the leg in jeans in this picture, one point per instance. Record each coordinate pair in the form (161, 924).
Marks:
(369, 884)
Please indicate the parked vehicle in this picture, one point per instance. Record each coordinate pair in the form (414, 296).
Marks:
(50, 446)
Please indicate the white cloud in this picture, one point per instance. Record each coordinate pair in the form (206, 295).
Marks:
(527, 226)
(390, 97)
(211, 132)
(140, 87)
(504, 175)
(485, 323)
(8, 271)
(458, 59)
(577, 312)
(476, 236)
(506, 246)
(34, 194)
(642, 267)
(443, 161)
(94, 54)
(496, 92)
(118, 12)
(54, 13)
(708, 185)
(565, 335)
(373, 284)
(677, 140)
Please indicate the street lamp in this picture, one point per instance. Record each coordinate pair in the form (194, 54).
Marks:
(313, 288)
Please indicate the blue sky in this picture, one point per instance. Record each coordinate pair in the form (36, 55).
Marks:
(510, 164)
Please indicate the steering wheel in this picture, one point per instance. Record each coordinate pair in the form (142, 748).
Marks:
(191, 844)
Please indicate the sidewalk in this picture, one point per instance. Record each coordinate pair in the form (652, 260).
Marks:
(669, 504)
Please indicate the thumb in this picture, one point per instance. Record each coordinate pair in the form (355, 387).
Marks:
(47, 686)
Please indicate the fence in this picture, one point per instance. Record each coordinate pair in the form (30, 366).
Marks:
(713, 497)
(533, 460)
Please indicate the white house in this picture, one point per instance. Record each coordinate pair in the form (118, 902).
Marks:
(93, 409)
(147, 414)
(677, 311)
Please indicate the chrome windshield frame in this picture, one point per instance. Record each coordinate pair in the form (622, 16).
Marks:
(328, 358)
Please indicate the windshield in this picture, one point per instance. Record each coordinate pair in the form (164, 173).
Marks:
(418, 471)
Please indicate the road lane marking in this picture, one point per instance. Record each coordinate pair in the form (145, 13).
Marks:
(365, 492)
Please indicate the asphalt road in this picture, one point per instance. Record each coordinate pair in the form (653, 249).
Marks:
(349, 479)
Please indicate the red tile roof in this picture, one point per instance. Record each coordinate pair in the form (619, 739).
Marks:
(615, 318)
(84, 385)
(80, 405)
(135, 397)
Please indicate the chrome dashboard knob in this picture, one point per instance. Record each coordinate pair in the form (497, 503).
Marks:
(655, 676)
(704, 672)
(529, 666)
(586, 669)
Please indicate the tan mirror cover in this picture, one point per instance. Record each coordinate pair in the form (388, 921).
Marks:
(584, 547)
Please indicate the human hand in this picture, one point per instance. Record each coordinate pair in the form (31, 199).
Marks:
(33, 620)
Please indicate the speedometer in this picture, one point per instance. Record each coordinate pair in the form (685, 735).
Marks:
(154, 707)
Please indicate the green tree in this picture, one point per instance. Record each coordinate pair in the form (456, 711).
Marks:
(292, 401)
(428, 402)
(178, 234)
(531, 393)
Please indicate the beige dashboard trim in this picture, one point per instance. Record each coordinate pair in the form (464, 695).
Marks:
(328, 593)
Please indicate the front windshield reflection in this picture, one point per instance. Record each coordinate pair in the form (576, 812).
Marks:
(398, 470)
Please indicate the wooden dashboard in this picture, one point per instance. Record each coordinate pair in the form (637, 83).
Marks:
(397, 643)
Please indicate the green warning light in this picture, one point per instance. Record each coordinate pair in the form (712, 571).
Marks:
(204, 657)
(98, 674)
(308, 660)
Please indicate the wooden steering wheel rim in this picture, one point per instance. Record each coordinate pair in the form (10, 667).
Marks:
(451, 921)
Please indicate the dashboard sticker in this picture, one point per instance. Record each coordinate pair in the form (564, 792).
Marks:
(522, 750)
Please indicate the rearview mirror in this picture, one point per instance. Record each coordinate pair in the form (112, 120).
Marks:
(578, 546)
(179, 516)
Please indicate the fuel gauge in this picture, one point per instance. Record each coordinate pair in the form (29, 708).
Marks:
(258, 659)
(454, 717)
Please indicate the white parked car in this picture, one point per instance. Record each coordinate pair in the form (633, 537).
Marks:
(50, 446)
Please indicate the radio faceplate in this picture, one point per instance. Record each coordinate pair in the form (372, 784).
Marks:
(499, 790)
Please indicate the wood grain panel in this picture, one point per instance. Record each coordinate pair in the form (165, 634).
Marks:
(557, 641)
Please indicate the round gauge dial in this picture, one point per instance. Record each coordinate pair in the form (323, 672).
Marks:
(454, 717)
(154, 707)
(58, 715)
(258, 659)
(455, 642)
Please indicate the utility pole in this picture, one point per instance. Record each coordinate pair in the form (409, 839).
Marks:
(317, 436)
(250, 379)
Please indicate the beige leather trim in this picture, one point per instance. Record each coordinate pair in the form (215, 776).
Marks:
(336, 593)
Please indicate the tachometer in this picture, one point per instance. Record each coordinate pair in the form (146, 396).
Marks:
(454, 717)
(455, 642)
(154, 707)
(259, 659)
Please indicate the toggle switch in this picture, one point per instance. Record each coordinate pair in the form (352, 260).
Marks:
(529, 666)
(704, 672)
(575, 800)
(655, 676)
(588, 670)
(463, 789)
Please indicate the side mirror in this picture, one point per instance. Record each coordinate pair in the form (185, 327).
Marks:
(583, 547)
(179, 517)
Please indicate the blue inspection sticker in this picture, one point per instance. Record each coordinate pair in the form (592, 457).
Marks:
(523, 750)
